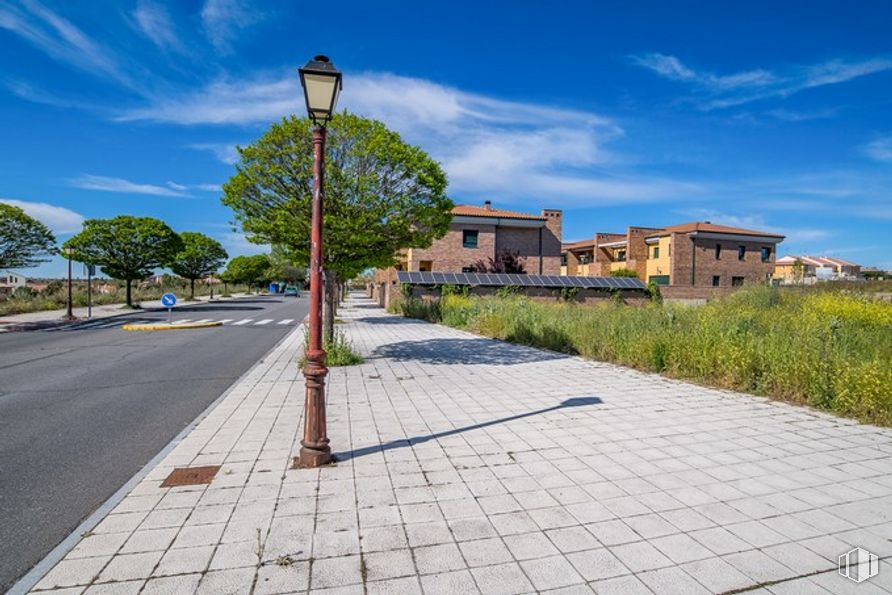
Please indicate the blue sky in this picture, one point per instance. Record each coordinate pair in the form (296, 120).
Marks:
(776, 116)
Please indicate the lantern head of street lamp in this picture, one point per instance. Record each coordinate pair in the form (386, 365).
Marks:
(322, 84)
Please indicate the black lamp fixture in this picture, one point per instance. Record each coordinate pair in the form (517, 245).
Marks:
(322, 85)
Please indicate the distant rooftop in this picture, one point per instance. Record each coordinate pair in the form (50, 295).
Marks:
(488, 211)
(709, 227)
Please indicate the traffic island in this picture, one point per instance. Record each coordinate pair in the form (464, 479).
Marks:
(163, 326)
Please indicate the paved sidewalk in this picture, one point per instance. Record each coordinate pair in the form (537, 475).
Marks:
(469, 465)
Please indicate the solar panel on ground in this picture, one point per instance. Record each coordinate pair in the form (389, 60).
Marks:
(503, 279)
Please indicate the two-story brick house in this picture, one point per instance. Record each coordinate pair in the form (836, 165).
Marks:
(697, 254)
(479, 233)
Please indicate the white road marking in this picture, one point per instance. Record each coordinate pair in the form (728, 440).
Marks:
(203, 320)
(242, 321)
(183, 321)
(225, 320)
(262, 322)
(286, 321)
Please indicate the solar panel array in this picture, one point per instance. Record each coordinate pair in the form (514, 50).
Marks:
(501, 279)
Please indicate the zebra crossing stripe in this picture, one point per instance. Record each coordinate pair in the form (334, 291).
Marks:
(264, 321)
(242, 321)
(286, 321)
(225, 320)
(184, 321)
(203, 320)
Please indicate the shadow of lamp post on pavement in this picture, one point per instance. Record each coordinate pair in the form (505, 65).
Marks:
(321, 83)
(408, 442)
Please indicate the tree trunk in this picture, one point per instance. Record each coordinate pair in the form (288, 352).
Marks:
(329, 313)
(192, 289)
(129, 299)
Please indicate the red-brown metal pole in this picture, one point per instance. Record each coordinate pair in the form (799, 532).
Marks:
(314, 450)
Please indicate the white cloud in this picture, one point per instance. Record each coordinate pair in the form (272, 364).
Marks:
(236, 244)
(227, 153)
(507, 149)
(669, 67)
(61, 40)
(723, 91)
(154, 22)
(209, 187)
(880, 149)
(107, 184)
(223, 19)
(59, 219)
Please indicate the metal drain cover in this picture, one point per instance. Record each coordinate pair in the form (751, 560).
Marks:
(190, 476)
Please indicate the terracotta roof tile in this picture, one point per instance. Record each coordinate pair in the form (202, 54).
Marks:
(474, 211)
(713, 228)
(581, 244)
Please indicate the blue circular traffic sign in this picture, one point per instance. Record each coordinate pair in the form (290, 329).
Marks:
(168, 300)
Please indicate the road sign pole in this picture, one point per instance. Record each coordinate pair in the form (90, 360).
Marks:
(89, 291)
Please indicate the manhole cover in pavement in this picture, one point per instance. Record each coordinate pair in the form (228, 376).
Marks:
(190, 476)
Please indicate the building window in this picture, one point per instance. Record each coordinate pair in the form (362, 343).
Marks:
(766, 253)
(583, 259)
(564, 259)
(621, 256)
(718, 251)
(669, 247)
(716, 280)
(469, 238)
(426, 265)
(656, 251)
(741, 252)
(736, 281)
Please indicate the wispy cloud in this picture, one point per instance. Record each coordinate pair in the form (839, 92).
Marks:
(223, 19)
(488, 145)
(224, 152)
(880, 149)
(59, 219)
(802, 116)
(714, 91)
(107, 184)
(61, 40)
(153, 21)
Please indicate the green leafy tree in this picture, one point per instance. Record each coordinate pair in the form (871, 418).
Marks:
(201, 256)
(127, 248)
(282, 266)
(381, 195)
(24, 241)
(247, 269)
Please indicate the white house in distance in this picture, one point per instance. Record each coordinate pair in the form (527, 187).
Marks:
(814, 268)
(10, 281)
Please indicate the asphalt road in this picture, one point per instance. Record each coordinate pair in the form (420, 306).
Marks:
(83, 408)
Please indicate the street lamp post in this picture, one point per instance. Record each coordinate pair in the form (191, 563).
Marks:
(321, 83)
(69, 315)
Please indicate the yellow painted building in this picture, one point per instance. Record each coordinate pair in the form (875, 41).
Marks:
(659, 253)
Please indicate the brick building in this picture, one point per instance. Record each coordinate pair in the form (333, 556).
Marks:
(478, 233)
(698, 254)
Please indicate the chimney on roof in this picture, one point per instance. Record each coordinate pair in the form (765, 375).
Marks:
(708, 222)
(487, 205)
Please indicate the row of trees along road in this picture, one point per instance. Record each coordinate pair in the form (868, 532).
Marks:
(131, 248)
(381, 195)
